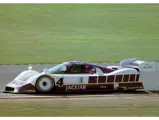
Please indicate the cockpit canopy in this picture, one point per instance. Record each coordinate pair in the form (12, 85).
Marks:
(77, 67)
(58, 69)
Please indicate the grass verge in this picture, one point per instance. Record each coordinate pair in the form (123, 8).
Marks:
(51, 109)
(53, 33)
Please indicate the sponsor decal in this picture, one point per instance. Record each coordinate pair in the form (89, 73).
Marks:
(103, 87)
(135, 87)
(76, 87)
(30, 91)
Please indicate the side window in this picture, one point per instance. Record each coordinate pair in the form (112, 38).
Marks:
(77, 69)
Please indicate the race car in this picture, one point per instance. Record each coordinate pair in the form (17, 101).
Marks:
(80, 76)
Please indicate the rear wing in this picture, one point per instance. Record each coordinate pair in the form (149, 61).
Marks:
(142, 65)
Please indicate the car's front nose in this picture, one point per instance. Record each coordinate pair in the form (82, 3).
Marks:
(21, 84)
(19, 87)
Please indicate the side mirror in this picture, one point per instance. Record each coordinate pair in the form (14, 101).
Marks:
(30, 67)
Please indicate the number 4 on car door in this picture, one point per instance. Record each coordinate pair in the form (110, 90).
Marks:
(60, 82)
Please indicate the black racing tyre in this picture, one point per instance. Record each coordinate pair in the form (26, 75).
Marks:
(44, 84)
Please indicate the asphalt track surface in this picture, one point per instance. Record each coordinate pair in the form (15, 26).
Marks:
(9, 72)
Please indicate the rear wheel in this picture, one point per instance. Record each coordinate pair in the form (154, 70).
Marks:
(44, 84)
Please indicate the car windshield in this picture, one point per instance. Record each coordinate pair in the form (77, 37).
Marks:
(58, 69)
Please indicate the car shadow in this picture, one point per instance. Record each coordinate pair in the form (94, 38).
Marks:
(88, 93)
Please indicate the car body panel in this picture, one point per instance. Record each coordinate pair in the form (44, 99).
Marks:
(88, 77)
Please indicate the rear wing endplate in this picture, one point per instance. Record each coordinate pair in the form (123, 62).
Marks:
(142, 65)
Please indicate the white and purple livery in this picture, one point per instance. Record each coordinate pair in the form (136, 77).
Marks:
(80, 76)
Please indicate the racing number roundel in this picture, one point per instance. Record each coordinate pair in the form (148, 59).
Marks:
(60, 82)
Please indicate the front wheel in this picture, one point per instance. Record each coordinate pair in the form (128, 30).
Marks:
(44, 84)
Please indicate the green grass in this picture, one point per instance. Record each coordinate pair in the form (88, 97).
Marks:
(39, 109)
(53, 33)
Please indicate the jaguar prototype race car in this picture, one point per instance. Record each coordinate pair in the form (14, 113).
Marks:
(80, 76)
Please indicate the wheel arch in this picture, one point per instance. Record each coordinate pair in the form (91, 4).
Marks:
(34, 79)
(45, 76)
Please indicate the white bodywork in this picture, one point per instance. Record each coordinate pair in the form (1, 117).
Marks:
(31, 76)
